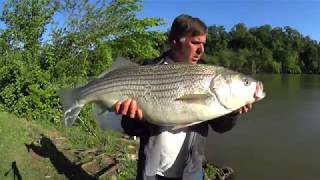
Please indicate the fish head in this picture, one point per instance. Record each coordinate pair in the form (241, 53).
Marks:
(234, 90)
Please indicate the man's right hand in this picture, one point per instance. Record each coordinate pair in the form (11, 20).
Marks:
(129, 107)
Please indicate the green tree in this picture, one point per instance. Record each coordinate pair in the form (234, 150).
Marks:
(310, 56)
(263, 36)
(241, 38)
(26, 21)
(138, 46)
(240, 61)
(218, 39)
(290, 63)
(33, 70)
(90, 26)
(267, 63)
(224, 58)
(100, 59)
(293, 39)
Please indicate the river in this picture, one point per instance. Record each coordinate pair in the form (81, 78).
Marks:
(279, 138)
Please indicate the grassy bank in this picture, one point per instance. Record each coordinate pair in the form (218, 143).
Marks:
(16, 161)
(30, 150)
(40, 151)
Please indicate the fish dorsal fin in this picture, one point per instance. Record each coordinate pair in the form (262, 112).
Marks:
(120, 62)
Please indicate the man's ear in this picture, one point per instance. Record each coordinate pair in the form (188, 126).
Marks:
(174, 42)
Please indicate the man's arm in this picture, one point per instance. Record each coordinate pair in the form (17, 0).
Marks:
(133, 127)
(224, 123)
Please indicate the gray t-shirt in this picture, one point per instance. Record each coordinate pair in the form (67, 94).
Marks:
(172, 145)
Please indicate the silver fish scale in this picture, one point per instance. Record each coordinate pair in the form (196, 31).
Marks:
(152, 82)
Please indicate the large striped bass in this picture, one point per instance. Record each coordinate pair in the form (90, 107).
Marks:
(169, 95)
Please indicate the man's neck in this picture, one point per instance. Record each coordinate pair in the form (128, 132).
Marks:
(175, 56)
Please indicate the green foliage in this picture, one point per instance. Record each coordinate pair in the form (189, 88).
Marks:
(267, 63)
(138, 45)
(241, 37)
(26, 21)
(26, 89)
(210, 171)
(262, 49)
(218, 39)
(310, 56)
(100, 59)
(94, 33)
(290, 63)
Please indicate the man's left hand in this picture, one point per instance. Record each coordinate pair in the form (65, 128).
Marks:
(244, 109)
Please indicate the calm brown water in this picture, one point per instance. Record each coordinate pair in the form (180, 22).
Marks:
(279, 138)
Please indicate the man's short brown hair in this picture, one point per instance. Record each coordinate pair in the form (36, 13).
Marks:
(185, 25)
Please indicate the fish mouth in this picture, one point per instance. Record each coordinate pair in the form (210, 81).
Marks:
(259, 93)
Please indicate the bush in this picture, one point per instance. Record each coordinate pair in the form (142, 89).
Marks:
(26, 89)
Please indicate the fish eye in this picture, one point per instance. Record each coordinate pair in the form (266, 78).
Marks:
(246, 82)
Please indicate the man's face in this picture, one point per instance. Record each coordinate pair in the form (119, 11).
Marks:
(191, 48)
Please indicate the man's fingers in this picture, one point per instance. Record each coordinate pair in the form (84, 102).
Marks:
(135, 111)
(249, 106)
(240, 111)
(117, 107)
(132, 109)
(245, 109)
(139, 114)
(129, 107)
(125, 106)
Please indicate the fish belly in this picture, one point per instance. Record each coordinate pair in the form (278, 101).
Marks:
(179, 113)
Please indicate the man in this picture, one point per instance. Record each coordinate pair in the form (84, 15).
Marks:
(174, 154)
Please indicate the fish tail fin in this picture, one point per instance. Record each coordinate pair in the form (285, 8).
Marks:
(70, 106)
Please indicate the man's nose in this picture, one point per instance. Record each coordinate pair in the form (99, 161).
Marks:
(200, 49)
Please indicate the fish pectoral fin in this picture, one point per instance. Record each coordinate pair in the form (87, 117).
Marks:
(191, 97)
